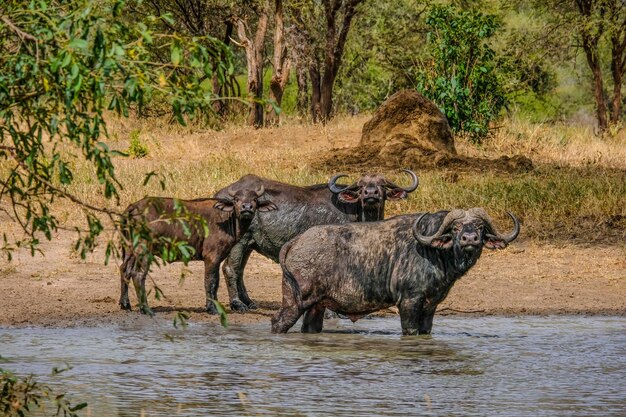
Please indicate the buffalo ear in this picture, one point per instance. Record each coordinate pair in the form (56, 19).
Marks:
(266, 206)
(492, 242)
(348, 197)
(396, 194)
(224, 205)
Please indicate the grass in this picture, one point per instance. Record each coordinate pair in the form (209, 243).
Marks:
(576, 191)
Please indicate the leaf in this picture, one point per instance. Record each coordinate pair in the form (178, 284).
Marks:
(79, 44)
(175, 54)
(221, 311)
(181, 318)
(78, 407)
(206, 84)
(148, 176)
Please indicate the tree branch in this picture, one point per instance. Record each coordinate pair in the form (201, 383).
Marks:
(19, 32)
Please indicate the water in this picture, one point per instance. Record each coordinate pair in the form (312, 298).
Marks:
(489, 366)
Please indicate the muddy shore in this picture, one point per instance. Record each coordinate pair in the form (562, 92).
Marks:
(529, 277)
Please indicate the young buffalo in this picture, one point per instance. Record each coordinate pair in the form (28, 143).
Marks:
(170, 221)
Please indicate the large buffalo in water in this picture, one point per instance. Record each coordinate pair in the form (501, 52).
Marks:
(409, 261)
(169, 220)
(300, 209)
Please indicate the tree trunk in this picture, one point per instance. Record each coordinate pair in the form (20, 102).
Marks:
(598, 94)
(281, 65)
(300, 43)
(590, 46)
(254, 62)
(220, 106)
(618, 68)
(316, 95)
(333, 51)
(302, 100)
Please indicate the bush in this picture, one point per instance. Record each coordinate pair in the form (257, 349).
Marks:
(20, 397)
(137, 149)
(460, 72)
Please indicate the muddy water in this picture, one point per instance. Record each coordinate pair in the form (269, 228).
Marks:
(496, 366)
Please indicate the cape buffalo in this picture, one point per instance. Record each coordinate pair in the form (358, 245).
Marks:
(226, 218)
(409, 261)
(300, 209)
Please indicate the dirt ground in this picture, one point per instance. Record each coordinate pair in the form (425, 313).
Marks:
(527, 278)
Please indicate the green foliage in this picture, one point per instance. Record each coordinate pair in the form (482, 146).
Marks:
(63, 63)
(460, 72)
(24, 396)
(380, 56)
(136, 148)
(222, 312)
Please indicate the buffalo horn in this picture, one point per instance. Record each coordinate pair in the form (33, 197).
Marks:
(333, 186)
(481, 214)
(411, 187)
(447, 221)
(259, 191)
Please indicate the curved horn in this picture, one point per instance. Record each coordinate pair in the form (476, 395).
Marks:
(415, 184)
(259, 191)
(333, 186)
(447, 221)
(231, 192)
(411, 187)
(480, 213)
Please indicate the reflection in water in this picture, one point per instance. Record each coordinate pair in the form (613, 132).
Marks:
(471, 366)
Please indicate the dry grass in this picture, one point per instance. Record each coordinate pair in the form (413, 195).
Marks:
(557, 144)
(577, 190)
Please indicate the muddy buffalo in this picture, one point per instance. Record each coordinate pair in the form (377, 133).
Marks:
(225, 218)
(300, 209)
(408, 261)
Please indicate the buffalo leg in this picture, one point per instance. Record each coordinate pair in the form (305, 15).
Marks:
(410, 311)
(139, 281)
(313, 320)
(285, 319)
(233, 268)
(126, 271)
(241, 285)
(211, 284)
(290, 311)
(425, 321)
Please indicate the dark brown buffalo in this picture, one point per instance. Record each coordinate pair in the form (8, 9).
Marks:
(300, 209)
(408, 261)
(227, 218)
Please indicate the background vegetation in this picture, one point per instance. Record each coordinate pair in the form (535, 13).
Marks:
(68, 68)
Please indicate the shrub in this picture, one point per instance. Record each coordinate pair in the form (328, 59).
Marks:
(460, 72)
(137, 149)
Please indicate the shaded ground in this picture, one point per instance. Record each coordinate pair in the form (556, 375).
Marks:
(359, 159)
(526, 278)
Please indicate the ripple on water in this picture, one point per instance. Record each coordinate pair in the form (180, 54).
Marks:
(541, 366)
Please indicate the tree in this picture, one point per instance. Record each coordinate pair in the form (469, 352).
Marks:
(460, 72)
(200, 18)
(598, 27)
(281, 65)
(319, 36)
(380, 54)
(63, 63)
(253, 42)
